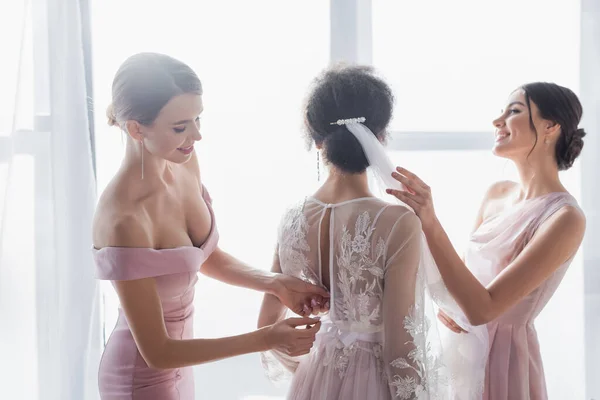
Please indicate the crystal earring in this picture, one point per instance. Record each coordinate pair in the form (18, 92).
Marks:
(143, 151)
(318, 167)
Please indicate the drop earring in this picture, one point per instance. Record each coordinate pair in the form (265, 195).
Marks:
(318, 167)
(143, 151)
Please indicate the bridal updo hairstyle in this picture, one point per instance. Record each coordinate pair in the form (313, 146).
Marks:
(345, 92)
(559, 104)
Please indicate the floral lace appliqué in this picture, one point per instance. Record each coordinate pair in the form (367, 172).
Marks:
(421, 360)
(293, 246)
(360, 284)
(359, 290)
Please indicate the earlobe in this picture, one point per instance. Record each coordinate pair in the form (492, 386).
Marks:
(133, 129)
(552, 127)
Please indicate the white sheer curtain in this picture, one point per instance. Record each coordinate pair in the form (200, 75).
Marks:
(47, 195)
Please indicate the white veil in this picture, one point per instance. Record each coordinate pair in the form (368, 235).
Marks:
(464, 355)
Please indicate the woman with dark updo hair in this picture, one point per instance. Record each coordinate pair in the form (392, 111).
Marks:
(525, 236)
(367, 252)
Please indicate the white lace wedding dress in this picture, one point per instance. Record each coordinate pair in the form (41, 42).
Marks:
(374, 343)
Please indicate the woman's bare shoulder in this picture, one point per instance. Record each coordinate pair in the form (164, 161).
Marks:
(117, 220)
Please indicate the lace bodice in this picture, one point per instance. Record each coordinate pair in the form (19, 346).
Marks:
(366, 238)
(374, 256)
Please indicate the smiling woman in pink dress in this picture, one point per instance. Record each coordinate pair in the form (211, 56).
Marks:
(154, 229)
(525, 236)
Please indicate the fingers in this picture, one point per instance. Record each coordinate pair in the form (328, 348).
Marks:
(447, 324)
(310, 331)
(407, 183)
(412, 177)
(306, 310)
(312, 306)
(304, 341)
(302, 309)
(405, 197)
(455, 325)
(320, 305)
(412, 186)
(450, 324)
(318, 290)
(302, 321)
(315, 302)
(300, 350)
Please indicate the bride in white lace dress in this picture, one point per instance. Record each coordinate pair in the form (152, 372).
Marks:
(377, 341)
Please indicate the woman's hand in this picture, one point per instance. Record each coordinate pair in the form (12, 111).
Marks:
(417, 196)
(301, 297)
(449, 322)
(289, 338)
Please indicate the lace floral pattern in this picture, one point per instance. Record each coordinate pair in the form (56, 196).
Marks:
(421, 360)
(355, 261)
(352, 338)
(293, 246)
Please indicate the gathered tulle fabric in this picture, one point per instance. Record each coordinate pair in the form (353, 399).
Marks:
(381, 339)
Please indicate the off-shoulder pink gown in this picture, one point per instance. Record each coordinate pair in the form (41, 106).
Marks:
(123, 373)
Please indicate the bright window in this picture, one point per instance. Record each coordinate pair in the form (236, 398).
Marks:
(453, 63)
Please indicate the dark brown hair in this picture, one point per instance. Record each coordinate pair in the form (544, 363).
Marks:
(559, 104)
(344, 92)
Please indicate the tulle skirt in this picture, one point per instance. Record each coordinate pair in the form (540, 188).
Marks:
(341, 374)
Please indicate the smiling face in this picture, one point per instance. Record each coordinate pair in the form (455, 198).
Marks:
(174, 131)
(515, 138)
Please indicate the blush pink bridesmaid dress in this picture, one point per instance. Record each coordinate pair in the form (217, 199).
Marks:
(514, 369)
(123, 373)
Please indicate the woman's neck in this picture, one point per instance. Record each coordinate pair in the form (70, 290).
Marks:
(341, 186)
(138, 163)
(538, 178)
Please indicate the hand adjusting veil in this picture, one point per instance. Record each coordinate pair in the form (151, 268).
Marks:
(454, 364)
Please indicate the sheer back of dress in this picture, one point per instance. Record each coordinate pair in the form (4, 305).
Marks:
(382, 319)
(364, 237)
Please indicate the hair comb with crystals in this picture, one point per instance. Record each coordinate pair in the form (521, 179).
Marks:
(349, 121)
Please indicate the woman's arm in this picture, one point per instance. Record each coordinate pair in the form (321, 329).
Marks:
(225, 268)
(493, 192)
(555, 241)
(141, 304)
(271, 310)
(299, 296)
(402, 360)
